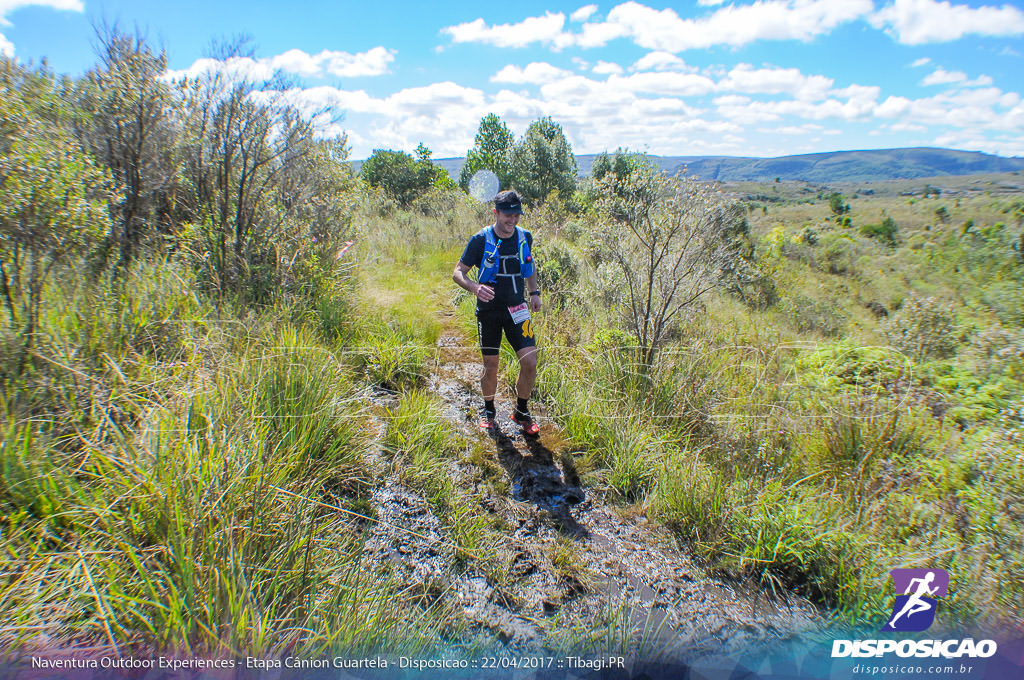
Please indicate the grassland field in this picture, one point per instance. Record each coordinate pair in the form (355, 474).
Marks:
(172, 466)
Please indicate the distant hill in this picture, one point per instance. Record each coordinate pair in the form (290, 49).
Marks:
(835, 166)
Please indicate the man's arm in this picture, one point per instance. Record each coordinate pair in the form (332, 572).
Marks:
(531, 285)
(482, 292)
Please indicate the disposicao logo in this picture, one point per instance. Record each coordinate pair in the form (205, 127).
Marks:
(917, 593)
(914, 610)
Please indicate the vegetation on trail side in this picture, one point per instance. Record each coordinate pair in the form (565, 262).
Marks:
(191, 360)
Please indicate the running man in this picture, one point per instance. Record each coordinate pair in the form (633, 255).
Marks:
(506, 294)
(914, 603)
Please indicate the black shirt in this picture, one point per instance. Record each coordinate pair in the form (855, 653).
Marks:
(508, 290)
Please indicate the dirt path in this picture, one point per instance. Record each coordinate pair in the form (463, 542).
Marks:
(581, 572)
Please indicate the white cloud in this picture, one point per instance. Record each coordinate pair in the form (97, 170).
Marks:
(595, 34)
(860, 102)
(607, 68)
(665, 82)
(744, 110)
(974, 110)
(907, 127)
(744, 78)
(806, 129)
(8, 6)
(734, 25)
(373, 62)
(235, 69)
(1007, 146)
(893, 107)
(943, 77)
(920, 62)
(659, 61)
(428, 98)
(661, 104)
(860, 93)
(915, 22)
(545, 29)
(534, 73)
(709, 3)
(583, 13)
(665, 30)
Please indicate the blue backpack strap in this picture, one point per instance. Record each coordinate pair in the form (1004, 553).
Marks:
(489, 270)
(525, 258)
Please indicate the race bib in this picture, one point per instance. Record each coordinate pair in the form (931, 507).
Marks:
(520, 313)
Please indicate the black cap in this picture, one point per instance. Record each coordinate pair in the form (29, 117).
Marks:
(508, 202)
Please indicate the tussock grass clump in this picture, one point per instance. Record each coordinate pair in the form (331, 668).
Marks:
(629, 418)
(570, 566)
(418, 434)
(622, 450)
(393, 360)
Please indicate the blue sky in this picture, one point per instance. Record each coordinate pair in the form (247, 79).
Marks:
(701, 77)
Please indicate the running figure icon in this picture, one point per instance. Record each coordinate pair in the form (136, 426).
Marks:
(915, 604)
(916, 601)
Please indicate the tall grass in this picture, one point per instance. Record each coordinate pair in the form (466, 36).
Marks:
(169, 478)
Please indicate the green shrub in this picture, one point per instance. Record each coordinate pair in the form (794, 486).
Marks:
(884, 233)
(559, 271)
(837, 255)
(813, 316)
(418, 434)
(924, 328)
(1005, 300)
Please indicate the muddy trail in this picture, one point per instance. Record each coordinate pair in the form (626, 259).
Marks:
(580, 572)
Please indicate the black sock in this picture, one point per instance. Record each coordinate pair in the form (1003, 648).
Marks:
(489, 406)
(521, 406)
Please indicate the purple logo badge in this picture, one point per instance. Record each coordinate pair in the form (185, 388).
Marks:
(917, 593)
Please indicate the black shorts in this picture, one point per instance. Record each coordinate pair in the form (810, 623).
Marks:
(491, 322)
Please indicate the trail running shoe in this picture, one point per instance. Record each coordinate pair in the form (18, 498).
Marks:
(530, 428)
(486, 421)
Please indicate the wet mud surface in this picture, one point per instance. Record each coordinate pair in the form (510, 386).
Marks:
(573, 563)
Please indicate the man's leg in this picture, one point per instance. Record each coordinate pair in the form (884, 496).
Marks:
(527, 372)
(489, 377)
(490, 340)
(524, 387)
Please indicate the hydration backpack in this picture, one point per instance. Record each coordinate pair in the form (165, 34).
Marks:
(489, 264)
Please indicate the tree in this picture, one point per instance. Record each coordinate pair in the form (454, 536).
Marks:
(617, 172)
(432, 175)
(242, 137)
(128, 107)
(670, 240)
(317, 196)
(543, 162)
(492, 151)
(53, 196)
(403, 177)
